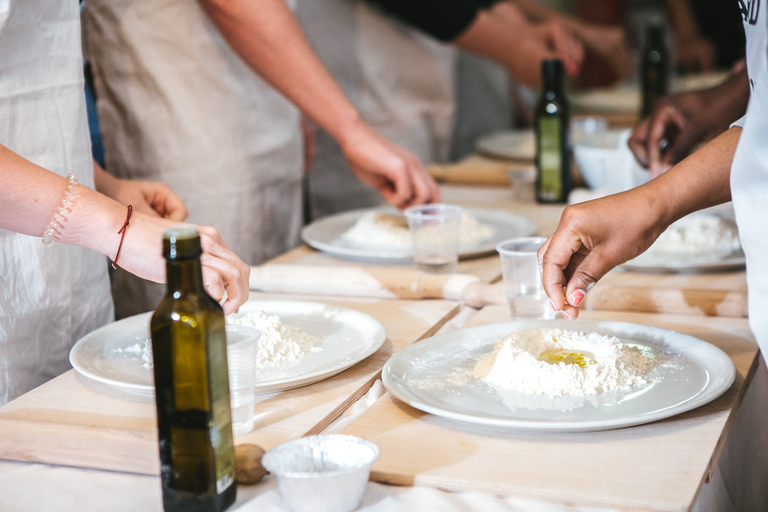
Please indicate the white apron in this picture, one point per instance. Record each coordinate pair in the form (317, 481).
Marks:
(177, 105)
(50, 296)
(400, 80)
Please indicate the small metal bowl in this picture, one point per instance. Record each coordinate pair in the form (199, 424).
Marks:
(324, 473)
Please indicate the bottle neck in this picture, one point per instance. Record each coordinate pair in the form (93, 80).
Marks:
(184, 275)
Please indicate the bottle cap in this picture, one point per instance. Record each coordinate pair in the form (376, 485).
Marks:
(552, 69)
(181, 242)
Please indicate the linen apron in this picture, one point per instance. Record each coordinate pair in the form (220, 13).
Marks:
(50, 296)
(176, 104)
(400, 80)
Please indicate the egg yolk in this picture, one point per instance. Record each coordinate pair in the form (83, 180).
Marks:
(566, 356)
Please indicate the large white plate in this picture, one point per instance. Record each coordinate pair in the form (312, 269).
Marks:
(344, 337)
(431, 376)
(716, 260)
(324, 235)
(512, 145)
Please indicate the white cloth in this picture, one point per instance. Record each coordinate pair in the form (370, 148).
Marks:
(52, 295)
(399, 80)
(749, 173)
(176, 104)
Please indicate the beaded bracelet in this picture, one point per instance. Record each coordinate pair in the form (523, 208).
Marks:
(65, 208)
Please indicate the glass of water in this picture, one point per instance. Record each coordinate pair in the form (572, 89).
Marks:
(522, 280)
(241, 359)
(435, 234)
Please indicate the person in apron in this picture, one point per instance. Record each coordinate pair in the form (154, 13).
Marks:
(401, 82)
(196, 94)
(51, 295)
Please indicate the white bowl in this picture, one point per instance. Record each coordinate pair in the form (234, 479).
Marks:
(324, 473)
(606, 162)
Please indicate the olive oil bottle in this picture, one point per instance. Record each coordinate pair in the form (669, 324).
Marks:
(654, 68)
(553, 152)
(194, 421)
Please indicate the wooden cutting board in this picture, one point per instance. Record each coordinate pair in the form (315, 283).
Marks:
(659, 466)
(74, 421)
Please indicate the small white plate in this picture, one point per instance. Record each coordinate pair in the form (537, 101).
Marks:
(344, 337)
(325, 235)
(433, 376)
(510, 145)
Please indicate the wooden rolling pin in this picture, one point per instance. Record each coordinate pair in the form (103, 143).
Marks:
(374, 282)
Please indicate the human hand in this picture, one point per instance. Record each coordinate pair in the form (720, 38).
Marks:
(150, 197)
(609, 42)
(142, 255)
(591, 239)
(397, 174)
(556, 36)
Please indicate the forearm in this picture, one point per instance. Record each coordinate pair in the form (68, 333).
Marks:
(269, 39)
(32, 195)
(728, 101)
(489, 37)
(700, 181)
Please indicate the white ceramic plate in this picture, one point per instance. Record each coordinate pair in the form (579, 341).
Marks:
(706, 261)
(324, 235)
(432, 375)
(344, 337)
(511, 145)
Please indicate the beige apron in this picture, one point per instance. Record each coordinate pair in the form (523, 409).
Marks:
(50, 296)
(177, 105)
(400, 81)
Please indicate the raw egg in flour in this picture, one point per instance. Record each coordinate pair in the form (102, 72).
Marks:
(567, 356)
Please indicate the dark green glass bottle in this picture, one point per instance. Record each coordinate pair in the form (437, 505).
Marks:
(197, 458)
(553, 152)
(654, 68)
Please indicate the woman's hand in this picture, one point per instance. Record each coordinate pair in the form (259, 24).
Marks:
(591, 239)
(397, 174)
(149, 197)
(141, 254)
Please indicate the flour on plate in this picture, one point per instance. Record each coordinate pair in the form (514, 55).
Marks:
(391, 230)
(559, 362)
(698, 233)
(277, 344)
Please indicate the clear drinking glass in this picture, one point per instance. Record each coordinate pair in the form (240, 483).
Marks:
(435, 234)
(241, 358)
(522, 280)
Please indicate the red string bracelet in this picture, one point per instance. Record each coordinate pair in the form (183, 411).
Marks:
(122, 232)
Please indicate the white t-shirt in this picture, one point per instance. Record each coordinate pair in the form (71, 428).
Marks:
(749, 173)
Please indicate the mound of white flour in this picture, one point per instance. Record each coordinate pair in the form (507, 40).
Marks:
(698, 233)
(602, 363)
(278, 342)
(379, 229)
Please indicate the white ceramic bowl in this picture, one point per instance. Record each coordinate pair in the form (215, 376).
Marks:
(324, 473)
(606, 162)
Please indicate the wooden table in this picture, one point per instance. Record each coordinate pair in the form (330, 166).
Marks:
(71, 422)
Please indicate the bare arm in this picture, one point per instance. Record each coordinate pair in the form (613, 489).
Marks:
(594, 237)
(269, 39)
(30, 196)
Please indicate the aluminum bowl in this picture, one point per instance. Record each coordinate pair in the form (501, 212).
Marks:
(326, 473)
